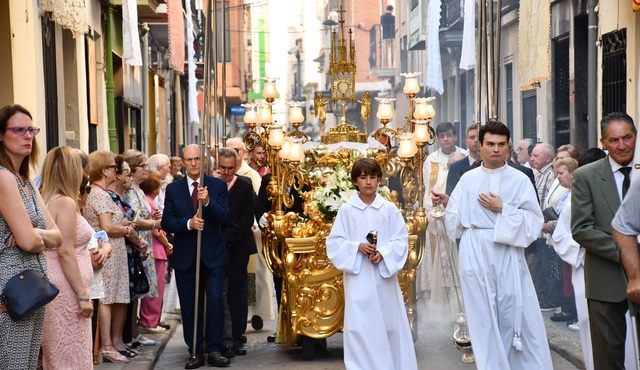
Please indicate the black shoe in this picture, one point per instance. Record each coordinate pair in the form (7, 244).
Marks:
(194, 362)
(227, 352)
(243, 338)
(548, 306)
(239, 350)
(217, 360)
(271, 338)
(256, 322)
(164, 325)
(562, 317)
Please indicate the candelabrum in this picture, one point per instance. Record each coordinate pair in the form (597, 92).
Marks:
(284, 155)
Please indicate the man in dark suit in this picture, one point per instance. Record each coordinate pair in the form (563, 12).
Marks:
(596, 195)
(474, 151)
(240, 243)
(180, 218)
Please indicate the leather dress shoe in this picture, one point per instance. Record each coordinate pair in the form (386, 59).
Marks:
(239, 350)
(195, 362)
(227, 352)
(271, 338)
(218, 360)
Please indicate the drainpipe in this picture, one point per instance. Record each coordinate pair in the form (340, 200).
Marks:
(146, 147)
(111, 105)
(592, 68)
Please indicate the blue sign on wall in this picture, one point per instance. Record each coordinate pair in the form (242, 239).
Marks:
(237, 110)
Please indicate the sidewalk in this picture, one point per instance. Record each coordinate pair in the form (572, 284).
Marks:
(564, 341)
(148, 356)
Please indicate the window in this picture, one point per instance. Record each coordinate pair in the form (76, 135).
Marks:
(529, 114)
(614, 72)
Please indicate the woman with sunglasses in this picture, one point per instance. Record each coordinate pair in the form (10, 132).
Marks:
(26, 230)
(66, 339)
(103, 214)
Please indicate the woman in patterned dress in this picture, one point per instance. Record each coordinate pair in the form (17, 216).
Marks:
(103, 214)
(144, 224)
(26, 230)
(66, 338)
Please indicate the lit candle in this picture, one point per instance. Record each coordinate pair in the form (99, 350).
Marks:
(411, 85)
(269, 91)
(295, 114)
(421, 131)
(286, 150)
(264, 114)
(296, 153)
(407, 147)
(276, 136)
(250, 115)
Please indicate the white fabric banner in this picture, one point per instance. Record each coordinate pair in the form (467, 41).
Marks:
(132, 54)
(468, 54)
(434, 60)
(534, 43)
(192, 103)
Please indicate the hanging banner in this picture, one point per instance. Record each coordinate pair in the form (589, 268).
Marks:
(176, 35)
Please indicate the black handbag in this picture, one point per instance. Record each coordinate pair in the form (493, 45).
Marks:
(27, 291)
(549, 214)
(138, 280)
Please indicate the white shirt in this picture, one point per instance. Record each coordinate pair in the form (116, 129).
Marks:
(617, 175)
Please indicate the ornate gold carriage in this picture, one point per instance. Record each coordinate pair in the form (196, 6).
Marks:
(312, 303)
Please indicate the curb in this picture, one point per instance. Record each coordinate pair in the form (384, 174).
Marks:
(564, 345)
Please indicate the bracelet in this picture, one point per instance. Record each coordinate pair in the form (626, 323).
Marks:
(83, 299)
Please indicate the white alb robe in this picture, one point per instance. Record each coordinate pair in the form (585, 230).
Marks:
(506, 326)
(376, 328)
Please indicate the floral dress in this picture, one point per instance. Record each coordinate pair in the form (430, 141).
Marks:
(115, 272)
(138, 201)
(20, 340)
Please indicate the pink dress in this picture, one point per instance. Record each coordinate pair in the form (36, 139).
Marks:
(66, 337)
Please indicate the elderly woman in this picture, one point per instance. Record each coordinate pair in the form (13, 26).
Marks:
(151, 308)
(66, 341)
(26, 230)
(103, 214)
(145, 222)
(571, 253)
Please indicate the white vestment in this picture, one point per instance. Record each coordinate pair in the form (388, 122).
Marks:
(506, 326)
(429, 274)
(376, 327)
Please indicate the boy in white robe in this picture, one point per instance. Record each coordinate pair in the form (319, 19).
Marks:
(495, 212)
(376, 327)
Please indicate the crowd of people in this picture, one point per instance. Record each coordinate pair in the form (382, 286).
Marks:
(102, 228)
(536, 231)
(535, 234)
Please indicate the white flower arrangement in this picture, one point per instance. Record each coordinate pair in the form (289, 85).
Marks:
(337, 190)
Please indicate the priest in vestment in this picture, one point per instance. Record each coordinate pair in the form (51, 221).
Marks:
(435, 171)
(495, 212)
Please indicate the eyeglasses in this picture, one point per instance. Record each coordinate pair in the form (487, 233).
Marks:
(112, 166)
(226, 169)
(144, 166)
(21, 130)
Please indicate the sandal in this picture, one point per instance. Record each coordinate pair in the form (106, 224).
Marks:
(112, 356)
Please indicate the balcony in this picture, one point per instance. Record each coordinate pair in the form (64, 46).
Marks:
(382, 53)
(451, 23)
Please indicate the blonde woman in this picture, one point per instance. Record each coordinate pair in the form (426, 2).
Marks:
(66, 340)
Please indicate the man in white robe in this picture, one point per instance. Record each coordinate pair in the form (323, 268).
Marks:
(435, 171)
(376, 328)
(495, 212)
